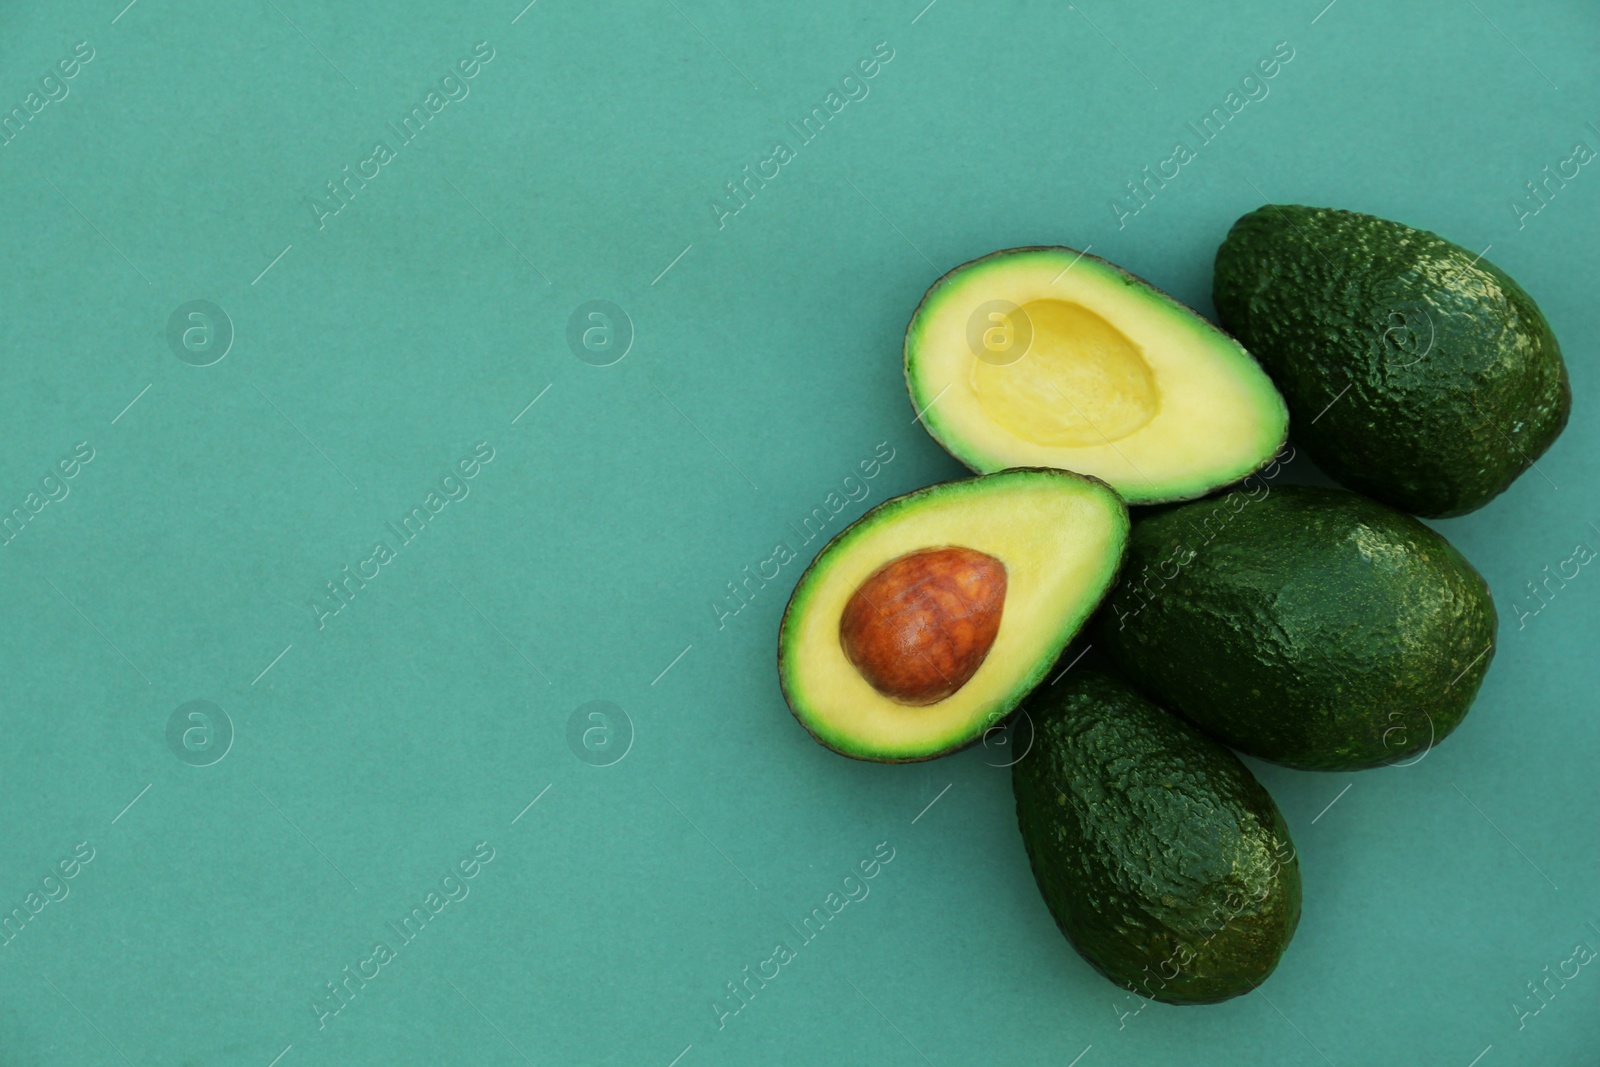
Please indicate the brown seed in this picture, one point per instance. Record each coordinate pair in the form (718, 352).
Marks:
(923, 623)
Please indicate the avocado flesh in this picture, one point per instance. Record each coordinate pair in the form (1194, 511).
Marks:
(1060, 538)
(1162, 859)
(1311, 627)
(1417, 372)
(1049, 357)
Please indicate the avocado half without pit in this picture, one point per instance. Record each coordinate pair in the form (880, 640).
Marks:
(1047, 357)
(929, 619)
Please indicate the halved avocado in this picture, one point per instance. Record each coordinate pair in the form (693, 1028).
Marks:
(928, 620)
(1047, 357)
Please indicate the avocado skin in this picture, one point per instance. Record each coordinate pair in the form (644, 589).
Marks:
(1456, 384)
(1311, 627)
(1162, 859)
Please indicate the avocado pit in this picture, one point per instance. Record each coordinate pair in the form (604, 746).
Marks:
(921, 625)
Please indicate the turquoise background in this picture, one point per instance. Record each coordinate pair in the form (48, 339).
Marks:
(372, 754)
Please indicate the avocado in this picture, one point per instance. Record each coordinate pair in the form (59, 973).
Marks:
(1311, 627)
(1163, 860)
(1417, 372)
(1047, 357)
(928, 620)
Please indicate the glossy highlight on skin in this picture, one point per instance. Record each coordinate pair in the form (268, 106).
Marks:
(921, 625)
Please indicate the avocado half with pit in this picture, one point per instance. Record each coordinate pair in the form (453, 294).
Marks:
(1047, 357)
(927, 621)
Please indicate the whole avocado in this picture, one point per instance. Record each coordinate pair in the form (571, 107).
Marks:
(1415, 371)
(1162, 859)
(1311, 627)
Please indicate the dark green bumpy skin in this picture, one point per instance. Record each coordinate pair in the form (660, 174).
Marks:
(1163, 860)
(1311, 627)
(1455, 382)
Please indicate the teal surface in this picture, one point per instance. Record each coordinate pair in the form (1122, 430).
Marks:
(333, 859)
